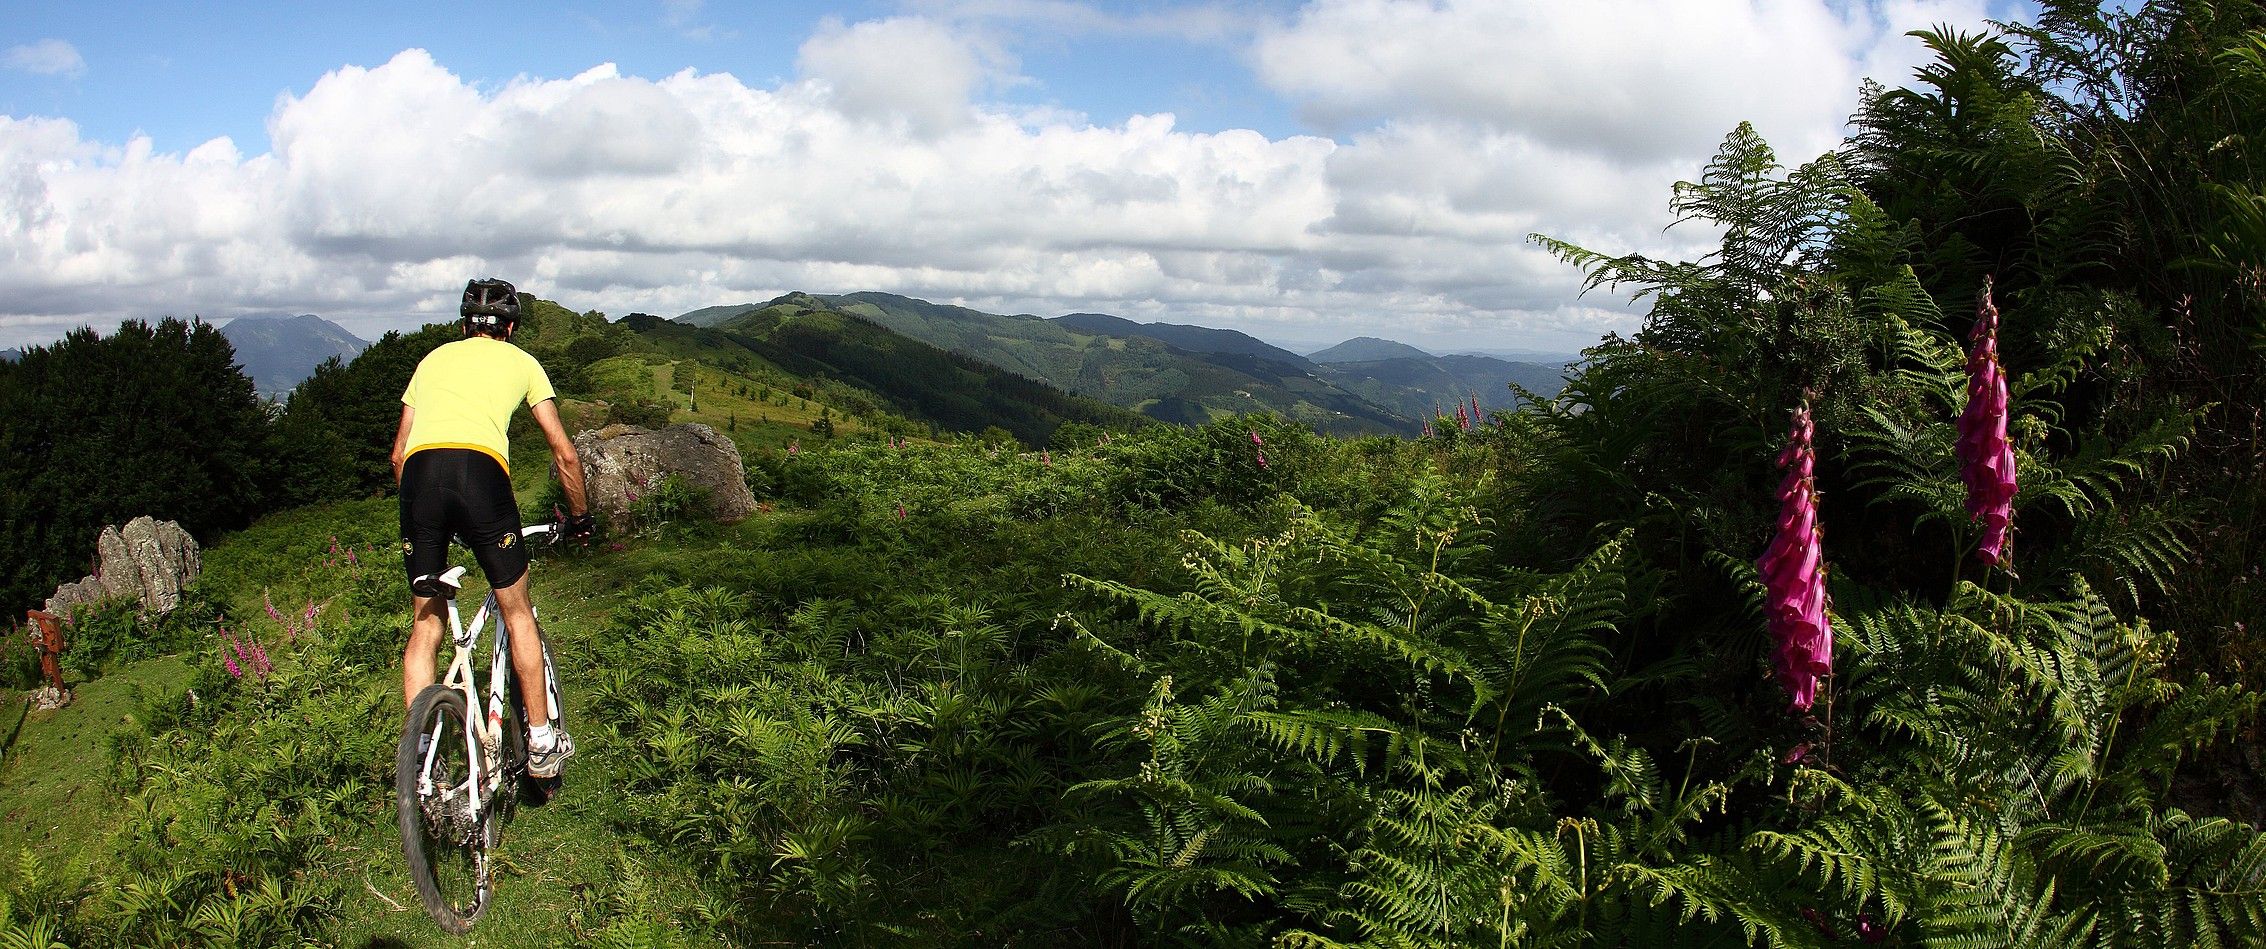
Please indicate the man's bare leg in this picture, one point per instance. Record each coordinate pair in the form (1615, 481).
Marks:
(526, 650)
(424, 640)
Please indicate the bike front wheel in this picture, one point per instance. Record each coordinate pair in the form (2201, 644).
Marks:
(444, 840)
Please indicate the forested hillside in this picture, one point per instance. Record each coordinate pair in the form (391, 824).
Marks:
(1896, 583)
(1143, 371)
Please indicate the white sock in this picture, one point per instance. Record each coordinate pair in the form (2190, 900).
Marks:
(542, 738)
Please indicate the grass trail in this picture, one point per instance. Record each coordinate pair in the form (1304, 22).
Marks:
(55, 765)
(559, 862)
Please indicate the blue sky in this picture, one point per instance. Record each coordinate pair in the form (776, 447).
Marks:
(185, 73)
(1303, 171)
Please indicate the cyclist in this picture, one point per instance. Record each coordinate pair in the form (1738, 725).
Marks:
(450, 458)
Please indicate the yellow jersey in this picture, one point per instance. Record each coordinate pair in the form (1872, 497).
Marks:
(465, 392)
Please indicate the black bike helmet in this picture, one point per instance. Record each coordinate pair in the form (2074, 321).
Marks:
(490, 306)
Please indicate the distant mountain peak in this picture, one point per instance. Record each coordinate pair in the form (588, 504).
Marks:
(279, 351)
(1368, 349)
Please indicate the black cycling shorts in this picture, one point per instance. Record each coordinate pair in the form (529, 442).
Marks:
(465, 493)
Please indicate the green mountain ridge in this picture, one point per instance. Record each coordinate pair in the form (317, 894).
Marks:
(1136, 372)
(1195, 339)
(902, 375)
(1423, 386)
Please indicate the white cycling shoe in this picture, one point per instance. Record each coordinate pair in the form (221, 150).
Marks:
(545, 763)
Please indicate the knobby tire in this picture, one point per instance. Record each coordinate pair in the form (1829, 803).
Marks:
(445, 870)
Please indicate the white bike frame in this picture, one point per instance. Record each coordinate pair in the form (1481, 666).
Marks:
(485, 732)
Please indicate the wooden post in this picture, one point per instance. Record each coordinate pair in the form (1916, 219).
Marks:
(50, 644)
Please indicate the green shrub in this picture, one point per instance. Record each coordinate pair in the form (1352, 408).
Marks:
(100, 635)
(639, 412)
(19, 659)
(671, 502)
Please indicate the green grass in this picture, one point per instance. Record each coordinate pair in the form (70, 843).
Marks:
(563, 864)
(55, 769)
(558, 860)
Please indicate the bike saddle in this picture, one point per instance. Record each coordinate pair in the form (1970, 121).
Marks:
(443, 584)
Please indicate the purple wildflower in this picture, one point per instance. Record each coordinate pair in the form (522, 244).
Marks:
(1262, 460)
(273, 613)
(900, 510)
(1046, 458)
(230, 662)
(1793, 572)
(1255, 438)
(1986, 456)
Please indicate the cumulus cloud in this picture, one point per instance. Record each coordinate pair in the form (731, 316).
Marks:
(48, 57)
(882, 167)
(902, 69)
(1645, 80)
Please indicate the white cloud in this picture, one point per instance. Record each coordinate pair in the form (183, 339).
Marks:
(1645, 80)
(903, 69)
(882, 168)
(48, 57)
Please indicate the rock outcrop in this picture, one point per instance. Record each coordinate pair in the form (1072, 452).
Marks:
(621, 461)
(148, 561)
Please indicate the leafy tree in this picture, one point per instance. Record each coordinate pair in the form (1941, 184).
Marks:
(335, 437)
(154, 420)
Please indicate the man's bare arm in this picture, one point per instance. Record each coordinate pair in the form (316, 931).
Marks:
(401, 442)
(563, 459)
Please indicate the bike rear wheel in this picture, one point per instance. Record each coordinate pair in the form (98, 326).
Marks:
(444, 842)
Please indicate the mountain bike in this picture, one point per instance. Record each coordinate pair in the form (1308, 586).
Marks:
(459, 773)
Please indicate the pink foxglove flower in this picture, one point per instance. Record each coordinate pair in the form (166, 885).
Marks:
(1046, 458)
(1255, 437)
(229, 662)
(1793, 572)
(1986, 456)
(1262, 459)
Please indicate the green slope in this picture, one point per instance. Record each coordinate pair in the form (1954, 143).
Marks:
(882, 370)
(1421, 386)
(1138, 372)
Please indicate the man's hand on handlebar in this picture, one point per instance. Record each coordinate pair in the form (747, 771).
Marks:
(579, 527)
